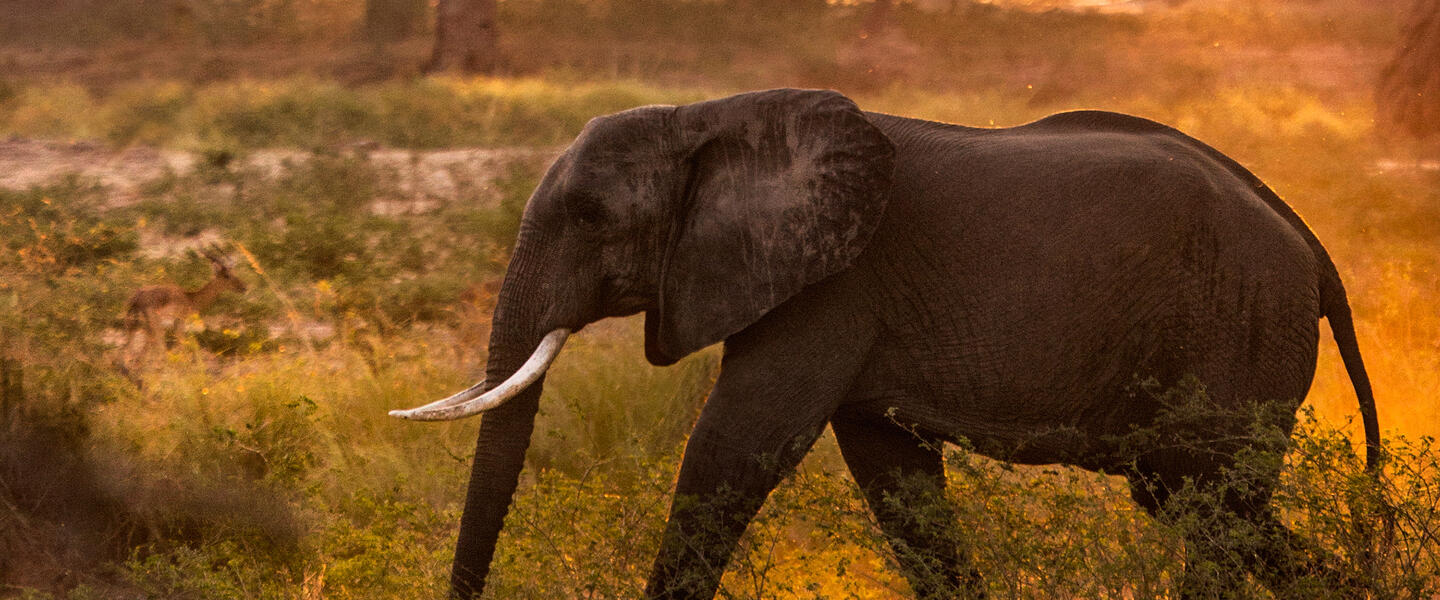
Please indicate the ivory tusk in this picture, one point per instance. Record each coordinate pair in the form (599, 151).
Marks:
(474, 400)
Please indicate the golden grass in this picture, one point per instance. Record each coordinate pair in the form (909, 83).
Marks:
(298, 442)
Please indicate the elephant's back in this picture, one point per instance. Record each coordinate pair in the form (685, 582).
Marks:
(1084, 175)
(1056, 201)
(1019, 268)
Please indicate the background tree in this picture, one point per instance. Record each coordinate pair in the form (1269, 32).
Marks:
(877, 18)
(391, 20)
(1409, 94)
(466, 37)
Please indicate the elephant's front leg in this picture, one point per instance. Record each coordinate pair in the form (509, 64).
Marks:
(730, 467)
(780, 382)
(902, 473)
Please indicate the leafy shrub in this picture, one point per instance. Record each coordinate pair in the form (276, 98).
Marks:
(607, 411)
(57, 229)
(606, 553)
(385, 545)
(146, 114)
(235, 342)
(1034, 532)
(58, 513)
(223, 569)
(301, 114)
(315, 114)
(326, 227)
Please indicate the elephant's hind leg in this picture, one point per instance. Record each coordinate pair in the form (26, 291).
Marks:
(903, 476)
(1295, 567)
(1230, 530)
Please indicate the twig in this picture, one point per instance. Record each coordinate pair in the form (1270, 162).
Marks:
(291, 312)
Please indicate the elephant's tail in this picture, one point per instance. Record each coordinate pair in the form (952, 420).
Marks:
(1333, 303)
(1337, 310)
(1333, 306)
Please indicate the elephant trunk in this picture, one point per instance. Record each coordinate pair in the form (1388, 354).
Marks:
(499, 456)
(505, 430)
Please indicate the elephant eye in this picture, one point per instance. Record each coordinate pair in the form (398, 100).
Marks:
(587, 211)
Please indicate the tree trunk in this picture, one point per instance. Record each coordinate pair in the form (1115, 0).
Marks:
(12, 390)
(877, 19)
(466, 37)
(392, 20)
(1409, 95)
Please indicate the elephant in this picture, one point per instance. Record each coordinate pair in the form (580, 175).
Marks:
(909, 284)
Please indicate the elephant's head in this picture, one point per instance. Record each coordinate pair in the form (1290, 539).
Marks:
(704, 216)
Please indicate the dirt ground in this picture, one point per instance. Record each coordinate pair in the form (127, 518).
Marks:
(424, 179)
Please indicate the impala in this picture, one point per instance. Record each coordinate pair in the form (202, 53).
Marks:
(155, 312)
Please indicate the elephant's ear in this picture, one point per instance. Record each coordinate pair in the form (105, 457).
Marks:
(785, 188)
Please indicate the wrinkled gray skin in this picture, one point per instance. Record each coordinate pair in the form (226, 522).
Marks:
(906, 281)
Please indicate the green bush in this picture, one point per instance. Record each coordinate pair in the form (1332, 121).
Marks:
(146, 113)
(236, 342)
(1034, 532)
(386, 546)
(267, 468)
(58, 228)
(309, 113)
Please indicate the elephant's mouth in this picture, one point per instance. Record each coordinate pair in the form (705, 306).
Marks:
(623, 297)
(625, 307)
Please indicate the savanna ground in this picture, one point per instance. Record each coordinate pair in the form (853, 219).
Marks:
(369, 208)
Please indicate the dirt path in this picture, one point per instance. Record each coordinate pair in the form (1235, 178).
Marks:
(424, 179)
(26, 163)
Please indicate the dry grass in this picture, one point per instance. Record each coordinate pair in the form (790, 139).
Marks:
(257, 462)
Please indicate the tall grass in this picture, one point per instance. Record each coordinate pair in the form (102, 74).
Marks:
(308, 113)
(268, 469)
(256, 460)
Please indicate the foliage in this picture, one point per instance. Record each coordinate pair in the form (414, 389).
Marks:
(306, 113)
(1053, 532)
(390, 20)
(256, 459)
(271, 471)
(1408, 79)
